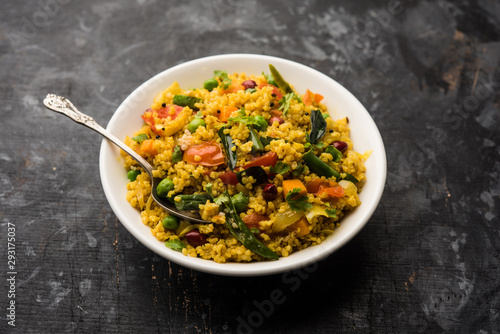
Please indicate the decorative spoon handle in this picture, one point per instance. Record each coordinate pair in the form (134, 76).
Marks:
(65, 107)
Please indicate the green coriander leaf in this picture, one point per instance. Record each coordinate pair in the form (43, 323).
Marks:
(299, 170)
(270, 79)
(175, 244)
(223, 77)
(255, 230)
(298, 204)
(140, 138)
(331, 212)
(319, 144)
(280, 168)
(285, 103)
(177, 154)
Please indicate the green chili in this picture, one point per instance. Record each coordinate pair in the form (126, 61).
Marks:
(282, 84)
(190, 202)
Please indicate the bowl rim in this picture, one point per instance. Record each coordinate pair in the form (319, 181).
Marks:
(314, 253)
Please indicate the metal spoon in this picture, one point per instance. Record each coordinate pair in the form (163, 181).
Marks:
(64, 106)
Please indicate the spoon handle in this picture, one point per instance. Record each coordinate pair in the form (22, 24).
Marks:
(64, 106)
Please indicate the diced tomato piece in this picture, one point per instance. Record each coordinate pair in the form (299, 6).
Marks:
(165, 112)
(206, 154)
(319, 187)
(276, 91)
(252, 220)
(268, 159)
(335, 191)
(313, 185)
(229, 178)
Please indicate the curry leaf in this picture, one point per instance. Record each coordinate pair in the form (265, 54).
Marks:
(229, 148)
(318, 126)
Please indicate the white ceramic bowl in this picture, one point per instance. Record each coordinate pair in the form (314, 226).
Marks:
(340, 103)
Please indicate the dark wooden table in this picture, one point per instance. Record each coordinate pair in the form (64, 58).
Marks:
(428, 260)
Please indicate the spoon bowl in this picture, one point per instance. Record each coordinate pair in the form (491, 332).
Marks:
(64, 106)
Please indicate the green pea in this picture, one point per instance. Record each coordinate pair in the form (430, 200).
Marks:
(170, 223)
(240, 202)
(164, 187)
(195, 123)
(132, 174)
(261, 123)
(210, 84)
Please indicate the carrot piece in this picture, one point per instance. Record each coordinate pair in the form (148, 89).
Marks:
(147, 147)
(289, 185)
(311, 98)
(225, 113)
(318, 98)
(302, 225)
(307, 98)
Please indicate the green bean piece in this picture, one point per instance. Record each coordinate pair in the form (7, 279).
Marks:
(349, 177)
(170, 222)
(336, 154)
(256, 143)
(186, 101)
(190, 202)
(210, 84)
(195, 123)
(319, 167)
(163, 188)
(282, 84)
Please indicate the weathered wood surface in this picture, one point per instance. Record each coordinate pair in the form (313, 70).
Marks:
(427, 262)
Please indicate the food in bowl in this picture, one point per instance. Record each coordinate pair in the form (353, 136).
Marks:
(268, 167)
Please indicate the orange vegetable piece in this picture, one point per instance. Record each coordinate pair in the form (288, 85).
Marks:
(147, 147)
(289, 185)
(301, 224)
(318, 98)
(206, 154)
(311, 98)
(320, 187)
(225, 113)
(307, 98)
